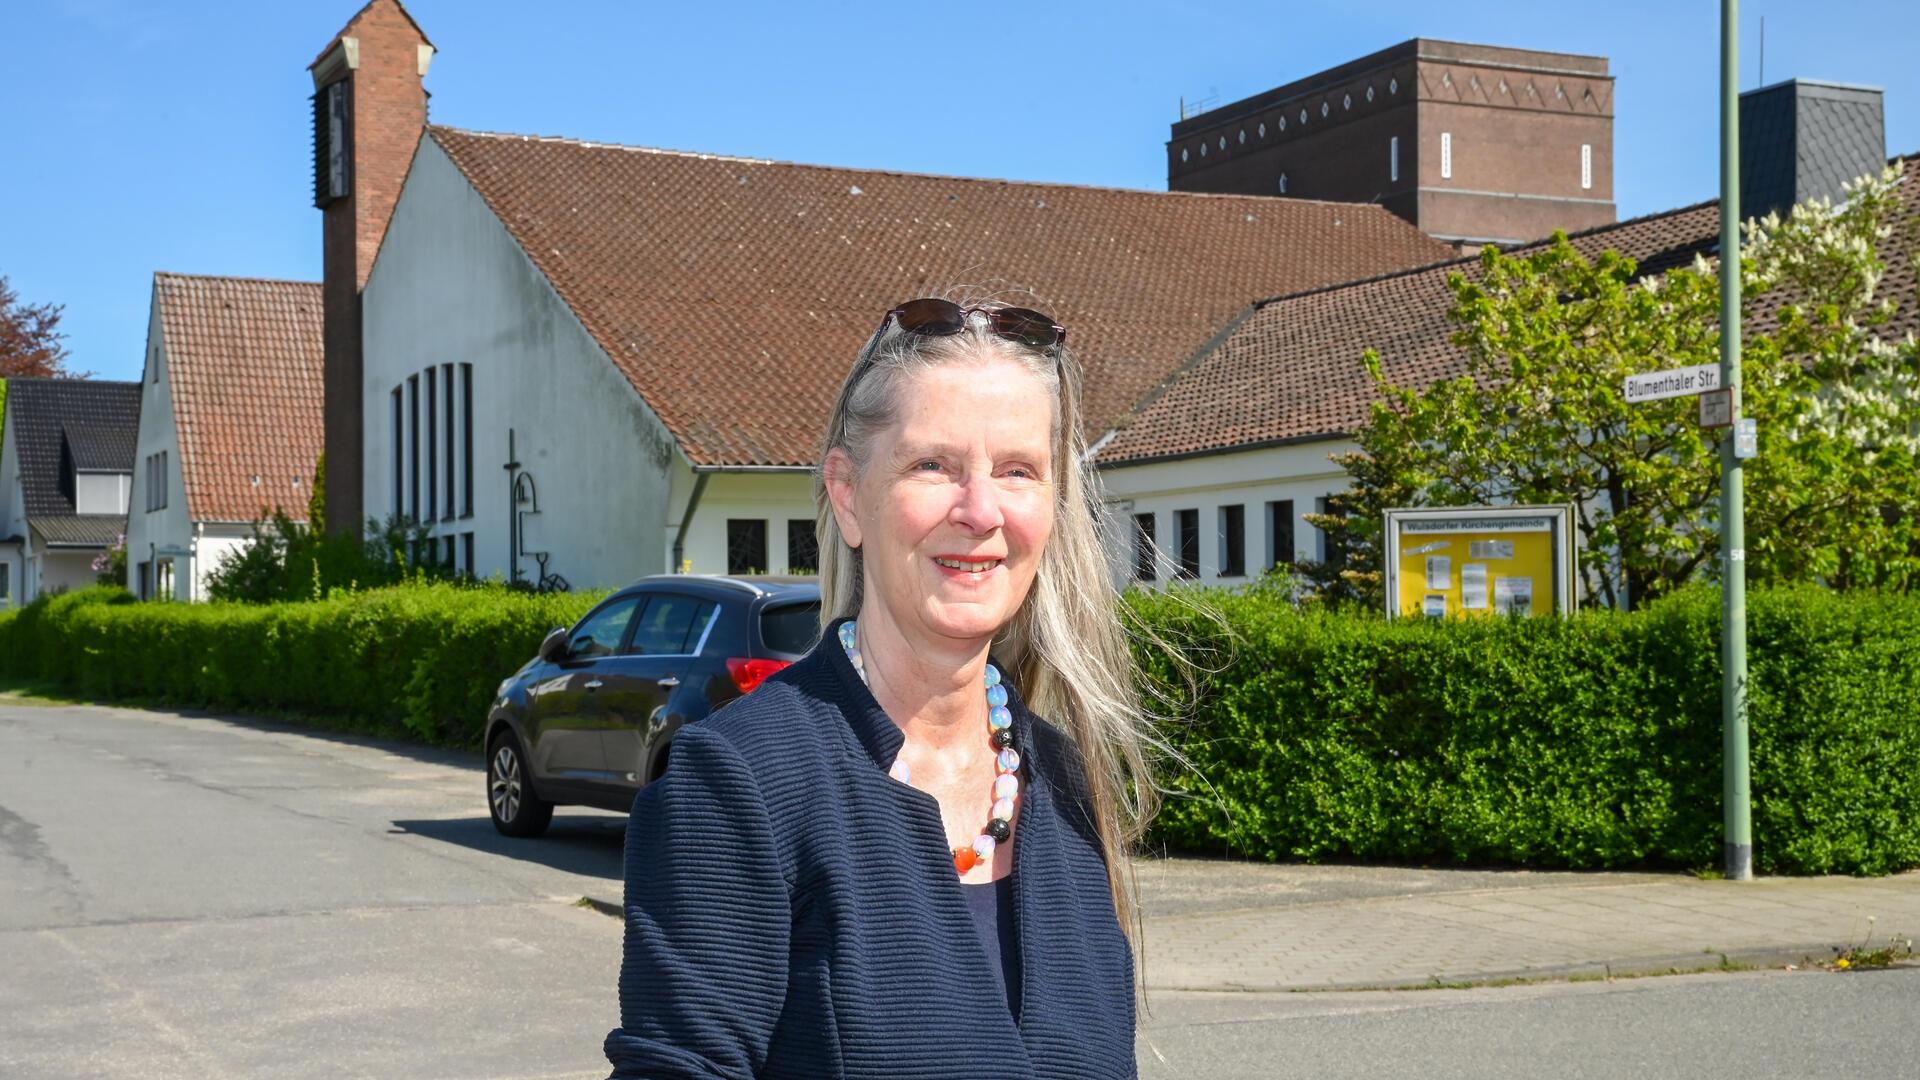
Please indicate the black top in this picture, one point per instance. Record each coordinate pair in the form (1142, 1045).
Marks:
(992, 905)
(792, 911)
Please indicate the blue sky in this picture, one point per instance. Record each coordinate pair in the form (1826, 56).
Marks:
(176, 136)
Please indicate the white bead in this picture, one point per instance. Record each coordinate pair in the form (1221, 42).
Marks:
(1002, 809)
(1006, 786)
(1009, 760)
(900, 772)
(983, 847)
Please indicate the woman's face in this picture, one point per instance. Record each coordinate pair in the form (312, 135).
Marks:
(956, 503)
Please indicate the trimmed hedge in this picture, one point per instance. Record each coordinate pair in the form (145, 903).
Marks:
(417, 661)
(1586, 742)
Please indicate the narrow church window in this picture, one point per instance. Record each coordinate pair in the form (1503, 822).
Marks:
(1393, 159)
(399, 503)
(413, 446)
(446, 392)
(433, 449)
(1446, 155)
(1586, 165)
(466, 441)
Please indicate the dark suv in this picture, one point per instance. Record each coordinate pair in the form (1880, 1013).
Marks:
(591, 719)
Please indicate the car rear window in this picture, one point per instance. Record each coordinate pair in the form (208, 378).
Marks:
(790, 628)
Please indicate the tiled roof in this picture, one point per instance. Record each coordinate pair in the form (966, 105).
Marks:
(79, 530)
(734, 294)
(100, 447)
(1292, 372)
(245, 363)
(43, 410)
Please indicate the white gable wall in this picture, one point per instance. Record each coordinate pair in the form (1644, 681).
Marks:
(166, 533)
(451, 286)
(13, 522)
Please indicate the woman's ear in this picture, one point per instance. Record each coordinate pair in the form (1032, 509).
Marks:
(840, 492)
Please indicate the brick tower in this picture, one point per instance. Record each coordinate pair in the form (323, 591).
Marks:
(369, 110)
(1472, 143)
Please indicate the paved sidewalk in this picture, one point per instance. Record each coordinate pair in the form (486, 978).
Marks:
(1351, 927)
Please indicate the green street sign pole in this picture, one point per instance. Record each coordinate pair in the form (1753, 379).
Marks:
(1733, 525)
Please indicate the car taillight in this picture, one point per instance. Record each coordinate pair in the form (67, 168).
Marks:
(750, 673)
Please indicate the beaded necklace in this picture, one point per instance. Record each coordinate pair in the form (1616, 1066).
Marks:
(1006, 786)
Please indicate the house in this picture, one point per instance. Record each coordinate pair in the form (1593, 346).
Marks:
(584, 362)
(66, 470)
(230, 423)
(1217, 468)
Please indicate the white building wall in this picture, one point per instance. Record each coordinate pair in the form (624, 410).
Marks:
(151, 533)
(13, 522)
(1251, 479)
(452, 286)
(773, 497)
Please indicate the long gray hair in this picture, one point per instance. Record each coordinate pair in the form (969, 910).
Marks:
(1066, 649)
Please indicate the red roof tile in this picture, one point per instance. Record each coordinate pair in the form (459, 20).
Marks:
(734, 293)
(1291, 372)
(245, 364)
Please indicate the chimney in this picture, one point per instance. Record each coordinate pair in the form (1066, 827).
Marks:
(1802, 139)
(369, 110)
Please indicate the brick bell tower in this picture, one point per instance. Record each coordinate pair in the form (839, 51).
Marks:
(369, 111)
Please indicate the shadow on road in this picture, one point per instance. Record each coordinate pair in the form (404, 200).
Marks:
(577, 844)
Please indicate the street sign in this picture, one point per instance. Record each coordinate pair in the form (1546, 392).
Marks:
(1746, 439)
(1677, 382)
(1716, 408)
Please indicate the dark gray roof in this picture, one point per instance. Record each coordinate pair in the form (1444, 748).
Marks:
(103, 416)
(79, 530)
(100, 448)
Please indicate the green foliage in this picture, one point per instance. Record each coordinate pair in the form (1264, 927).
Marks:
(317, 498)
(286, 560)
(1539, 414)
(110, 566)
(415, 661)
(1586, 742)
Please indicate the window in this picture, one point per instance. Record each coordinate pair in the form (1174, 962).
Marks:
(466, 543)
(1143, 549)
(446, 552)
(433, 450)
(600, 633)
(399, 458)
(1280, 533)
(1188, 524)
(1586, 165)
(466, 436)
(1233, 540)
(156, 481)
(1393, 159)
(413, 445)
(6, 582)
(746, 546)
(803, 547)
(669, 624)
(1446, 155)
(446, 393)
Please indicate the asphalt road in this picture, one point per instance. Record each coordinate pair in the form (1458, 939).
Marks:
(193, 897)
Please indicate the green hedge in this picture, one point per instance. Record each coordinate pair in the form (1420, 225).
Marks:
(1586, 742)
(421, 661)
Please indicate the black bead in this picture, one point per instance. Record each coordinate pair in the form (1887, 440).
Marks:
(1002, 738)
(999, 829)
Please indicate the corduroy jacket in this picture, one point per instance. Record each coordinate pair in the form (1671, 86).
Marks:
(793, 911)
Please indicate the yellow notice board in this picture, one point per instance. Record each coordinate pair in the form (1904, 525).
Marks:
(1476, 561)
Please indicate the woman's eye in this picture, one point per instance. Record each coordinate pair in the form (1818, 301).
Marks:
(929, 464)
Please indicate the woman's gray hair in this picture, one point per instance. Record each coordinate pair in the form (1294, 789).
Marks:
(1066, 649)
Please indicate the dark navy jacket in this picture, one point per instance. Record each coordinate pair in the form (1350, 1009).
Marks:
(792, 911)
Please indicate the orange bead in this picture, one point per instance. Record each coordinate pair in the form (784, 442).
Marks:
(964, 859)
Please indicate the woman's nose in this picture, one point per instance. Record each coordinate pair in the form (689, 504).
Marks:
(978, 508)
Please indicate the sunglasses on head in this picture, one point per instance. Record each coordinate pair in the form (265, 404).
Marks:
(939, 318)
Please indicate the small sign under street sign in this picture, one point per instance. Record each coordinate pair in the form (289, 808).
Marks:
(1678, 382)
(1716, 409)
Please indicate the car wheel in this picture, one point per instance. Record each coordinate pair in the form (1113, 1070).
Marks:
(515, 809)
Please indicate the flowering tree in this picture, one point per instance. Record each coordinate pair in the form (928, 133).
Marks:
(1539, 414)
(110, 566)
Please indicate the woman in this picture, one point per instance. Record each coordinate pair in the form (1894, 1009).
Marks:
(881, 863)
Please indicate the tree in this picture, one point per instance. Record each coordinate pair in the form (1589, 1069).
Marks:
(317, 498)
(30, 337)
(1539, 414)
